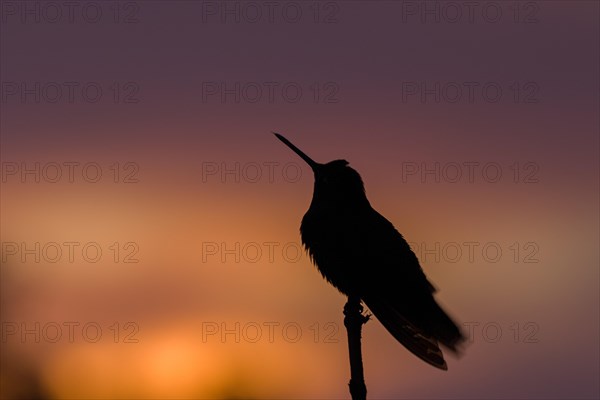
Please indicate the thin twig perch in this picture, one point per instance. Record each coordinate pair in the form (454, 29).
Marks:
(353, 321)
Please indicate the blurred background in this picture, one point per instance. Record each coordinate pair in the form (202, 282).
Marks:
(150, 243)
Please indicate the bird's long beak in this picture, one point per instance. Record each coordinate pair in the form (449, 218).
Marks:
(314, 165)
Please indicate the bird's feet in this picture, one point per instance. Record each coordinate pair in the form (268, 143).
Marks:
(353, 311)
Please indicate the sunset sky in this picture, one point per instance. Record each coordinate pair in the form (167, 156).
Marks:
(149, 219)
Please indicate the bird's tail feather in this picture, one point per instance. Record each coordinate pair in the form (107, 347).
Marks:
(445, 330)
(423, 346)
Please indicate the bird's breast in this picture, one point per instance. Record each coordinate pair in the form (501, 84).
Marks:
(328, 238)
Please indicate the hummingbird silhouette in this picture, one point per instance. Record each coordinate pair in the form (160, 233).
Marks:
(360, 253)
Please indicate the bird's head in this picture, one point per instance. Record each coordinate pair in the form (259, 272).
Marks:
(335, 181)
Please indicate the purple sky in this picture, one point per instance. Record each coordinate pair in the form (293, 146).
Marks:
(164, 98)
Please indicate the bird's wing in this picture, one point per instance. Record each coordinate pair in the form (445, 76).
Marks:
(390, 258)
(399, 294)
